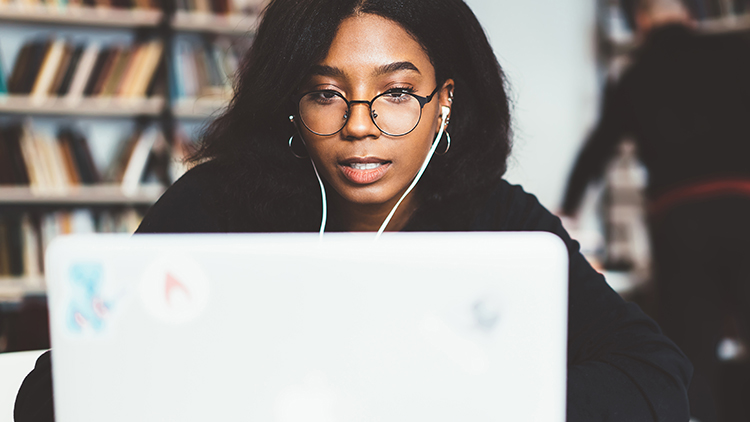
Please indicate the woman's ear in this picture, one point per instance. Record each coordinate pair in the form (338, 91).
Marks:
(446, 99)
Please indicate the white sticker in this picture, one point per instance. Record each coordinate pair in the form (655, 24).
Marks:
(174, 289)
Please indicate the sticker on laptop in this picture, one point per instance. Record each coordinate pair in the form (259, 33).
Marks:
(89, 307)
(174, 289)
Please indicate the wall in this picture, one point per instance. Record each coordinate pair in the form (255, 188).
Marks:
(547, 50)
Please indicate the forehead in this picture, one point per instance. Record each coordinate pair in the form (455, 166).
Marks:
(365, 42)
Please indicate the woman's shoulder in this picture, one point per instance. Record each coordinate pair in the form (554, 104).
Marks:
(191, 205)
(510, 208)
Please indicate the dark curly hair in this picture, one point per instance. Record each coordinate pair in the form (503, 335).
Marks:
(276, 191)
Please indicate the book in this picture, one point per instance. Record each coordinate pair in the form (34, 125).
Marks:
(31, 253)
(96, 70)
(201, 71)
(48, 69)
(17, 75)
(53, 162)
(135, 62)
(189, 73)
(69, 164)
(116, 169)
(107, 69)
(67, 78)
(15, 244)
(13, 162)
(158, 85)
(146, 73)
(136, 162)
(77, 145)
(82, 74)
(37, 57)
(62, 69)
(33, 159)
(3, 80)
(6, 170)
(4, 248)
(109, 88)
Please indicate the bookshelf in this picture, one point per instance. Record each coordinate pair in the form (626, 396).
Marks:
(80, 16)
(103, 194)
(217, 33)
(90, 107)
(13, 289)
(232, 24)
(199, 108)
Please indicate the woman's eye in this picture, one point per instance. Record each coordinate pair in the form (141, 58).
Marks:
(326, 97)
(397, 96)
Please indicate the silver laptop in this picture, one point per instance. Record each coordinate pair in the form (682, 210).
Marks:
(291, 328)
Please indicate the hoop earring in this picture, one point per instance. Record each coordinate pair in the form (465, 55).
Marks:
(448, 137)
(291, 148)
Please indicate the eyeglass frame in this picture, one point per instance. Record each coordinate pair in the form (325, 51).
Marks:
(422, 102)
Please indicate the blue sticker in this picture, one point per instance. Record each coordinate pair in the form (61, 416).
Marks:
(87, 309)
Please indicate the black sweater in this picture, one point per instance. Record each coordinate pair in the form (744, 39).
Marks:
(685, 101)
(620, 366)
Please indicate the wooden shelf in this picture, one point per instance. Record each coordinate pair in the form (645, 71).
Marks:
(92, 107)
(80, 195)
(81, 16)
(199, 108)
(218, 24)
(13, 289)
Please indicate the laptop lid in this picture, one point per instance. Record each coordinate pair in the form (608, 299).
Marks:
(286, 327)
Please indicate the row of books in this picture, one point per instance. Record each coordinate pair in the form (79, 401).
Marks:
(46, 163)
(221, 7)
(204, 69)
(59, 68)
(24, 237)
(67, 4)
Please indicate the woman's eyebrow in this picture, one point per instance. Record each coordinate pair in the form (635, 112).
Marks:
(395, 67)
(323, 70)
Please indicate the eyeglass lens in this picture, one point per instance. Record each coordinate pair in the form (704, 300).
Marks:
(325, 113)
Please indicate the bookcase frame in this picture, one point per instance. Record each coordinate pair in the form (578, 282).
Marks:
(164, 24)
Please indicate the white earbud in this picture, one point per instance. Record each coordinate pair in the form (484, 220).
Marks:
(446, 112)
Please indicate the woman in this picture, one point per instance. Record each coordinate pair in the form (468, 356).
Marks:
(364, 92)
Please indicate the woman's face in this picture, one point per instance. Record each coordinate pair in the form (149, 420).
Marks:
(371, 55)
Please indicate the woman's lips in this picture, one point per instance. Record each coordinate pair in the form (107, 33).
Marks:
(365, 170)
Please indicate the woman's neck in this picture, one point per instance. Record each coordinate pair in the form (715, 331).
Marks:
(353, 217)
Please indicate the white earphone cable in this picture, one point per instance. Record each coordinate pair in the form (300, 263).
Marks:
(324, 218)
(416, 178)
(435, 143)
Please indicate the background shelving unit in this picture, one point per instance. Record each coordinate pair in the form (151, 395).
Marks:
(145, 195)
(232, 24)
(109, 117)
(80, 16)
(89, 107)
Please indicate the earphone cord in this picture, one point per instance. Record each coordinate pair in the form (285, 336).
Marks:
(414, 182)
(387, 220)
(323, 219)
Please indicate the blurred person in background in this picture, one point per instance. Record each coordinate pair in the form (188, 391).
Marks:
(685, 101)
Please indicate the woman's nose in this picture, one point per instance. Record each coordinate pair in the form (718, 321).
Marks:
(359, 125)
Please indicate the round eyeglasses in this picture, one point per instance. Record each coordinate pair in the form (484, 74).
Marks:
(395, 112)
